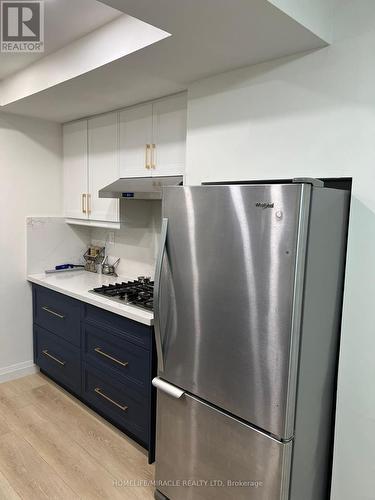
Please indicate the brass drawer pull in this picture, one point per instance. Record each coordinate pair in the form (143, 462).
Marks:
(46, 353)
(45, 308)
(89, 203)
(99, 351)
(147, 160)
(84, 210)
(98, 391)
(153, 165)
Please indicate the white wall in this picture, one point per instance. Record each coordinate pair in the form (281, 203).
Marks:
(311, 115)
(30, 184)
(316, 15)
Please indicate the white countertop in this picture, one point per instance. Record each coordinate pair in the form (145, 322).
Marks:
(77, 284)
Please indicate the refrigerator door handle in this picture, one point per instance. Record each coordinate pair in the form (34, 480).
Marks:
(169, 389)
(158, 269)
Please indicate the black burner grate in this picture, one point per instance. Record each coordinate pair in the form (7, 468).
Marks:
(139, 292)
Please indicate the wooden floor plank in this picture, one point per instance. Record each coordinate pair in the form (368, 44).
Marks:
(6, 491)
(81, 449)
(124, 458)
(85, 475)
(4, 428)
(25, 384)
(27, 473)
(13, 396)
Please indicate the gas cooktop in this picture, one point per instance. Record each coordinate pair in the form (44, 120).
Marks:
(138, 293)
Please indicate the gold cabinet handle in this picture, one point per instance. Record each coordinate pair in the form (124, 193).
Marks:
(84, 203)
(89, 203)
(147, 160)
(153, 148)
(46, 353)
(102, 353)
(47, 309)
(99, 391)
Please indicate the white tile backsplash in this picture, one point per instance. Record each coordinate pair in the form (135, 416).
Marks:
(50, 241)
(136, 243)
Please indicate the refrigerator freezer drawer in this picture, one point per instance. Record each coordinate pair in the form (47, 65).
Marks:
(203, 454)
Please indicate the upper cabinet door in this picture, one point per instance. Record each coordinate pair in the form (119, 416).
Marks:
(75, 170)
(169, 128)
(135, 141)
(103, 166)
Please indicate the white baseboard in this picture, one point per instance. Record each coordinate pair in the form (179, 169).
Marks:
(18, 370)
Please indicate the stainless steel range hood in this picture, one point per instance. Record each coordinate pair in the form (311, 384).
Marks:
(139, 188)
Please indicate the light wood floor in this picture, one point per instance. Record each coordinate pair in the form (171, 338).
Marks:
(52, 446)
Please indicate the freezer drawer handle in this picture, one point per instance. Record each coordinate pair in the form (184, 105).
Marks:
(169, 389)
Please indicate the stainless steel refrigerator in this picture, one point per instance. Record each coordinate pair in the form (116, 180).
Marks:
(248, 294)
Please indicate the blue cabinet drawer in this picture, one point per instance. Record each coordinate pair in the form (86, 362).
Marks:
(58, 313)
(117, 402)
(133, 332)
(59, 359)
(112, 353)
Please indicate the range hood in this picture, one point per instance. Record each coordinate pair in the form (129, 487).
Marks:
(140, 188)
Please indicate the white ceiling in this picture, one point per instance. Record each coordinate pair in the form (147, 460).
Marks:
(111, 42)
(65, 21)
(207, 37)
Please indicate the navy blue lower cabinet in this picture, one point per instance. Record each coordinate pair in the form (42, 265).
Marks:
(134, 332)
(105, 360)
(58, 314)
(58, 359)
(120, 402)
(113, 354)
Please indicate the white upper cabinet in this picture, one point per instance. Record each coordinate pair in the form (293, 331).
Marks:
(75, 170)
(91, 163)
(103, 166)
(135, 141)
(141, 141)
(169, 136)
(153, 138)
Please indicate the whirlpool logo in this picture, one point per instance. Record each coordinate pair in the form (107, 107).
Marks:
(22, 26)
(264, 205)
